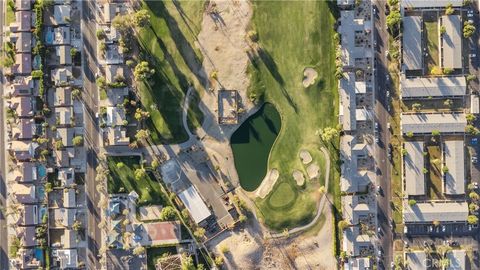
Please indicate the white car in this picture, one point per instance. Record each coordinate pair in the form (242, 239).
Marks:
(388, 93)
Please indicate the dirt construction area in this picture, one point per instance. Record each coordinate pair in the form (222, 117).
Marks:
(248, 248)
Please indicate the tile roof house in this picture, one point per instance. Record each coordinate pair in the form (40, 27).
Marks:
(26, 259)
(22, 105)
(27, 215)
(23, 64)
(65, 135)
(23, 5)
(23, 193)
(62, 157)
(22, 41)
(69, 239)
(110, 11)
(61, 13)
(62, 96)
(69, 200)
(25, 172)
(66, 176)
(63, 54)
(64, 115)
(23, 22)
(24, 130)
(115, 116)
(21, 87)
(27, 236)
(23, 150)
(58, 35)
(66, 258)
(113, 73)
(117, 136)
(62, 217)
(62, 76)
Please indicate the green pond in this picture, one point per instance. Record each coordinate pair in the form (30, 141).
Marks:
(251, 145)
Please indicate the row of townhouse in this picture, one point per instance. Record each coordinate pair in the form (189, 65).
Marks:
(26, 202)
(46, 137)
(417, 84)
(357, 144)
(111, 57)
(434, 163)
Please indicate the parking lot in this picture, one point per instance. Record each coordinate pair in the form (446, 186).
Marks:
(473, 145)
(460, 229)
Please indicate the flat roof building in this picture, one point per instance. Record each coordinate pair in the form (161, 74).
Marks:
(457, 260)
(435, 211)
(416, 260)
(454, 179)
(423, 87)
(348, 102)
(195, 205)
(349, 30)
(430, 3)
(451, 42)
(413, 164)
(425, 123)
(412, 42)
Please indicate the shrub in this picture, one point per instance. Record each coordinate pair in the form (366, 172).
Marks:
(168, 213)
(412, 202)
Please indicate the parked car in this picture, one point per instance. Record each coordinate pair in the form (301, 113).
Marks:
(388, 93)
(379, 189)
(474, 159)
(474, 141)
(444, 228)
(376, 126)
(473, 55)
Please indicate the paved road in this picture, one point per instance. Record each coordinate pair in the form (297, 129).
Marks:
(90, 97)
(3, 193)
(381, 114)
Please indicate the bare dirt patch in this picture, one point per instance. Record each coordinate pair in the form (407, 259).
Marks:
(267, 183)
(313, 171)
(309, 76)
(299, 177)
(305, 157)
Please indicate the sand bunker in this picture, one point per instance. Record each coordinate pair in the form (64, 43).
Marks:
(267, 183)
(305, 157)
(299, 178)
(309, 76)
(313, 171)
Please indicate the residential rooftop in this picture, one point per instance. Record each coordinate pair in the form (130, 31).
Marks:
(425, 123)
(454, 179)
(427, 212)
(424, 87)
(413, 164)
(412, 42)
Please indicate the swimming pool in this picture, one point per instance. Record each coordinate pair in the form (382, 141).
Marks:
(40, 193)
(39, 254)
(42, 171)
(49, 35)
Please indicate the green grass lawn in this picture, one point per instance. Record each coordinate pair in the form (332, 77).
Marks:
(432, 33)
(168, 46)
(294, 35)
(434, 181)
(10, 14)
(121, 179)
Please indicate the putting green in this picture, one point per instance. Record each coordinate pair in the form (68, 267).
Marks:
(283, 197)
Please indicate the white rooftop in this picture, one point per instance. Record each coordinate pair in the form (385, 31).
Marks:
(433, 87)
(455, 161)
(413, 164)
(425, 123)
(195, 205)
(435, 211)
